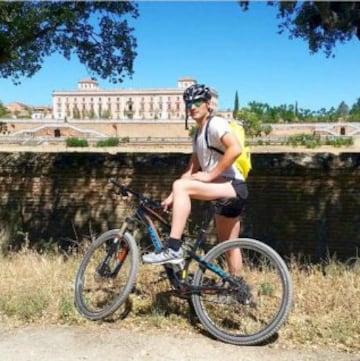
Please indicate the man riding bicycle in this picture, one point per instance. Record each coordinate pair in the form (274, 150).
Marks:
(210, 176)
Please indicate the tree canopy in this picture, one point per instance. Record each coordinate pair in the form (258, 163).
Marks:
(96, 31)
(258, 114)
(321, 23)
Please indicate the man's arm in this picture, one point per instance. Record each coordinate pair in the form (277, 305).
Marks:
(233, 149)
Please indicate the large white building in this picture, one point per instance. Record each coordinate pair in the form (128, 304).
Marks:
(89, 101)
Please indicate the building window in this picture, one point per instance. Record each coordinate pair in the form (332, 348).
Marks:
(130, 104)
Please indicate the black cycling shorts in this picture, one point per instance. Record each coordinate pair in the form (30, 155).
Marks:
(232, 207)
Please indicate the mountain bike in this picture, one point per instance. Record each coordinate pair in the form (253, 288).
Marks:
(246, 308)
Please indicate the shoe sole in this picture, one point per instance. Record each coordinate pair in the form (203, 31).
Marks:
(173, 261)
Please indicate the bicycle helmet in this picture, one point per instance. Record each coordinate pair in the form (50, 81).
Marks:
(195, 92)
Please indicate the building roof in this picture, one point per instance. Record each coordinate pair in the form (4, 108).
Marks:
(187, 79)
(88, 80)
(16, 106)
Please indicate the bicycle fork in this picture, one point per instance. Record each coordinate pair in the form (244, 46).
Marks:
(104, 268)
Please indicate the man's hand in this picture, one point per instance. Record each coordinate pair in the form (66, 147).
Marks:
(167, 203)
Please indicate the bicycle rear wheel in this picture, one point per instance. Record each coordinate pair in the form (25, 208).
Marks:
(250, 307)
(106, 275)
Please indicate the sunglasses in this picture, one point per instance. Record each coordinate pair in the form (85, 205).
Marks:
(197, 103)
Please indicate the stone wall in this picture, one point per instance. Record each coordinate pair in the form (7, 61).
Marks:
(301, 204)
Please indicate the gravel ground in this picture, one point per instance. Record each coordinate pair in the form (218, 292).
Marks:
(62, 343)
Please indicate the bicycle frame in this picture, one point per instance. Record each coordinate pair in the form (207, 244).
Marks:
(144, 214)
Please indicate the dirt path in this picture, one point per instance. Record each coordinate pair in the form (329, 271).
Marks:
(64, 343)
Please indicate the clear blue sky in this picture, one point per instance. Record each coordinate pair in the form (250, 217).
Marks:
(220, 45)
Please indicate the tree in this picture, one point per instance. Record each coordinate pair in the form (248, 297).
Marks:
(355, 111)
(97, 32)
(342, 110)
(3, 110)
(356, 106)
(251, 121)
(259, 108)
(236, 105)
(321, 23)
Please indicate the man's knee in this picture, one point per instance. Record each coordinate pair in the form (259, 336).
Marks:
(180, 184)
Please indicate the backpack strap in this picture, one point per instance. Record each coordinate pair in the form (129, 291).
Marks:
(207, 138)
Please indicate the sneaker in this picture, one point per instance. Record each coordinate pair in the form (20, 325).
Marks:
(168, 255)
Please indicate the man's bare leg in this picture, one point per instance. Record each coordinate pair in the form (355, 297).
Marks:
(229, 228)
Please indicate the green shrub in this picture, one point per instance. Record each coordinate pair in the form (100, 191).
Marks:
(307, 140)
(314, 140)
(339, 141)
(109, 142)
(76, 142)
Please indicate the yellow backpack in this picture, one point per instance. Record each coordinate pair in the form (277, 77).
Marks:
(243, 161)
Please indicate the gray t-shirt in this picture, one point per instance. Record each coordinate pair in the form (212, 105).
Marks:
(208, 158)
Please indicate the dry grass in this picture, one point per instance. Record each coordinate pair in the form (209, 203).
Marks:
(38, 289)
(326, 307)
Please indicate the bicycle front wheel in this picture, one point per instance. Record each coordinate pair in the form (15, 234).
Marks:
(246, 296)
(106, 275)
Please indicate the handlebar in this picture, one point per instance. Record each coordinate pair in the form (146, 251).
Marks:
(125, 191)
